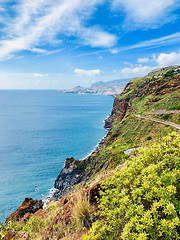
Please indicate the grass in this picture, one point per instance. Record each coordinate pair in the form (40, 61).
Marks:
(82, 213)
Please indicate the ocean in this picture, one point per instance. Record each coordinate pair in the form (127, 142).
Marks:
(38, 131)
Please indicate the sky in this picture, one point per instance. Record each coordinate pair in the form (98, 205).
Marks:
(47, 44)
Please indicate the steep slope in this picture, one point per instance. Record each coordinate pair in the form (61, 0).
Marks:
(73, 215)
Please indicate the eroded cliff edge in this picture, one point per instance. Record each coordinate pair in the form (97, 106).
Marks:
(78, 171)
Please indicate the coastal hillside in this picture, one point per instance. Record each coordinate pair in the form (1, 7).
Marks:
(129, 187)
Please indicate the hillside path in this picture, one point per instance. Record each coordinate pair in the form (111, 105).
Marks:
(160, 121)
(128, 152)
(162, 112)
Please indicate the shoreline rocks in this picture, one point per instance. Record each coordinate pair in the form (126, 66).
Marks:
(29, 206)
(69, 176)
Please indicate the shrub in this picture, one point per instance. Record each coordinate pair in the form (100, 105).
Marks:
(130, 141)
(165, 116)
(35, 225)
(142, 200)
(149, 137)
(169, 73)
(82, 212)
(175, 107)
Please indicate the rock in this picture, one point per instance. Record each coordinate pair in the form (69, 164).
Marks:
(27, 217)
(69, 176)
(120, 108)
(22, 236)
(40, 213)
(9, 235)
(28, 206)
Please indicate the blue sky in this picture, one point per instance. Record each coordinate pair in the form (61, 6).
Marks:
(60, 44)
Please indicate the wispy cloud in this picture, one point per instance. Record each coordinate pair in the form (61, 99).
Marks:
(146, 14)
(153, 43)
(40, 75)
(43, 21)
(143, 60)
(89, 73)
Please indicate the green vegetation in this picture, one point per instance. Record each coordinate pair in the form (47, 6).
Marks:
(149, 137)
(169, 73)
(171, 117)
(139, 197)
(82, 213)
(175, 107)
(165, 116)
(34, 225)
(142, 200)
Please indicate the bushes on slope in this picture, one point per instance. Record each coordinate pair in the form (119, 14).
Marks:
(142, 200)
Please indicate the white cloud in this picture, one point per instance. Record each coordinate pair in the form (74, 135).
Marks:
(100, 58)
(38, 50)
(88, 73)
(97, 38)
(38, 22)
(146, 14)
(143, 60)
(114, 51)
(153, 43)
(170, 59)
(40, 75)
(2, 9)
(138, 71)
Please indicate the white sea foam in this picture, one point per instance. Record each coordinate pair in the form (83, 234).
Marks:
(47, 199)
(100, 141)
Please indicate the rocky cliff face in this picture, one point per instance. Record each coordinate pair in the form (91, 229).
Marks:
(120, 108)
(70, 175)
(29, 206)
(75, 171)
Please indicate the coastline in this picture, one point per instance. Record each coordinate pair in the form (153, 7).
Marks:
(54, 191)
(100, 141)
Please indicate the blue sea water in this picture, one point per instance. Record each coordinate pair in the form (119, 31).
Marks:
(38, 131)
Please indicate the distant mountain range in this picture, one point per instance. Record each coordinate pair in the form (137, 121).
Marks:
(111, 88)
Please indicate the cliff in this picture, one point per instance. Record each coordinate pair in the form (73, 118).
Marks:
(98, 181)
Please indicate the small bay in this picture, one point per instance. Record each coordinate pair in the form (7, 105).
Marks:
(38, 131)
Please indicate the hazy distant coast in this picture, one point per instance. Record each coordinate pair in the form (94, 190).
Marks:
(110, 88)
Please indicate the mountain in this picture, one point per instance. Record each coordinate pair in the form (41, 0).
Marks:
(129, 187)
(112, 88)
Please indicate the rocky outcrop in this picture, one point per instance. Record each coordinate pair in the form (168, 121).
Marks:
(70, 175)
(28, 206)
(73, 170)
(119, 110)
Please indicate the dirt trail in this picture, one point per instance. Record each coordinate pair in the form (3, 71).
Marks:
(162, 112)
(160, 121)
(128, 152)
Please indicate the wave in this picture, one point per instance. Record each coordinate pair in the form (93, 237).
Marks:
(47, 199)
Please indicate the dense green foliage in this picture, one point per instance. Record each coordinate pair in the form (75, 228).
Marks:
(142, 200)
(175, 107)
